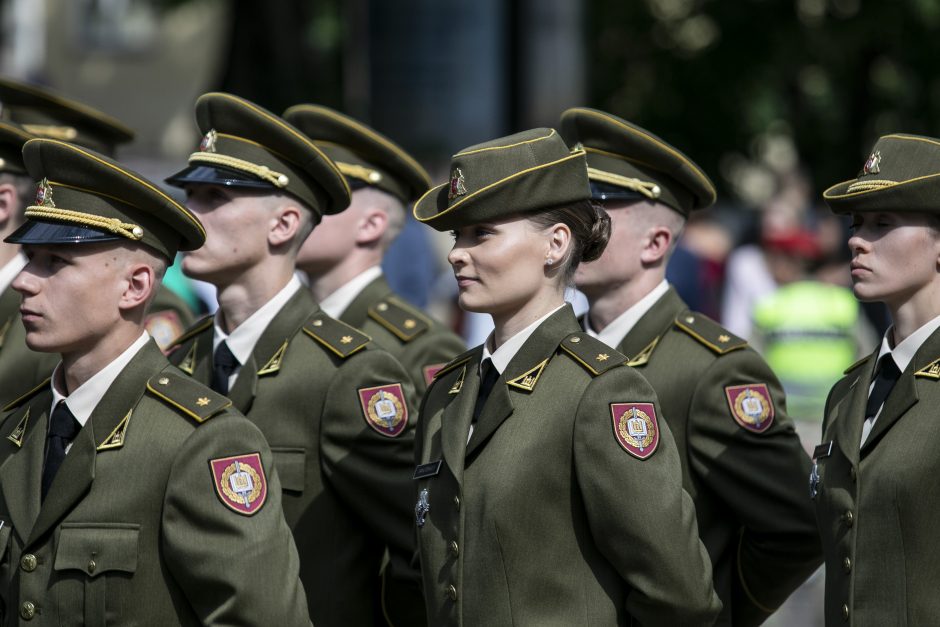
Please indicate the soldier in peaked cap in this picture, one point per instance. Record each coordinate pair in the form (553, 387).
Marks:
(337, 410)
(128, 492)
(549, 490)
(742, 461)
(40, 112)
(874, 480)
(342, 256)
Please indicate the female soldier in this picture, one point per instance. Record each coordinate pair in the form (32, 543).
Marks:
(875, 475)
(549, 490)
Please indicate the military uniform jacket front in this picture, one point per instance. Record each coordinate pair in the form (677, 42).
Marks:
(544, 517)
(422, 345)
(746, 476)
(134, 529)
(310, 386)
(877, 503)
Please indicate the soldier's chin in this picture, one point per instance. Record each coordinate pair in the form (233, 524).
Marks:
(37, 342)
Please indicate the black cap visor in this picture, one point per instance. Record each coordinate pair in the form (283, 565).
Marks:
(608, 191)
(34, 232)
(216, 175)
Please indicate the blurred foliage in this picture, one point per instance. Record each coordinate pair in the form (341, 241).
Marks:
(734, 83)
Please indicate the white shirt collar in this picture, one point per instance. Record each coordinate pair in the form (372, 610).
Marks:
(83, 399)
(904, 352)
(614, 332)
(510, 347)
(337, 302)
(9, 271)
(242, 340)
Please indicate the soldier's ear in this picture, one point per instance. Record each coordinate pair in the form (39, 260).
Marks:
(657, 243)
(371, 226)
(9, 205)
(285, 224)
(142, 282)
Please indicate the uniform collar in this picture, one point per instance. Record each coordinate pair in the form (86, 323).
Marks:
(904, 352)
(504, 354)
(336, 303)
(9, 271)
(613, 333)
(242, 340)
(83, 400)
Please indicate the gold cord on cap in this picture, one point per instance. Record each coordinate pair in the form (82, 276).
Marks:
(263, 172)
(357, 171)
(867, 186)
(650, 190)
(112, 225)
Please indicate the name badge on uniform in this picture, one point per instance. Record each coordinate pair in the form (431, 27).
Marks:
(821, 451)
(422, 507)
(427, 470)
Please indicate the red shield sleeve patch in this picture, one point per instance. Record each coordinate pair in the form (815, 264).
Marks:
(240, 483)
(430, 371)
(164, 326)
(636, 428)
(384, 408)
(751, 406)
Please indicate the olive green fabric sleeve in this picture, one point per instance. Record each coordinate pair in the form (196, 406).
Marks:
(233, 569)
(643, 522)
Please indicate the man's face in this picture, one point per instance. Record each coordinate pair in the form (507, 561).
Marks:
(70, 295)
(620, 262)
(237, 224)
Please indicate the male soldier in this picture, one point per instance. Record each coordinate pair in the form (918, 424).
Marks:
(334, 408)
(43, 113)
(742, 461)
(342, 256)
(129, 493)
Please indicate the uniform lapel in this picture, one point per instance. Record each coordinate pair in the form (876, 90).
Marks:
(357, 312)
(9, 311)
(649, 327)
(21, 474)
(455, 420)
(78, 470)
(850, 412)
(285, 325)
(540, 347)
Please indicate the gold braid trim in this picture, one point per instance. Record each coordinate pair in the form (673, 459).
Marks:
(112, 225)
(65, 133)
(357, 171)
(867, 186)
(650, 190)
(263, 172)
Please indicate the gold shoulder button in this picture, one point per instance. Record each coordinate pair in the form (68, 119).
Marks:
(708, 332)
(596, 357)
(401, 319)
(338, 337)
(187, 395)
(22, 399)
(193, 331)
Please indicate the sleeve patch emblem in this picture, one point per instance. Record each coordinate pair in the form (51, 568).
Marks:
(431, 371)
(751, 406)
(240, 483)
(164, 326)
(636, 428)
(385, 409)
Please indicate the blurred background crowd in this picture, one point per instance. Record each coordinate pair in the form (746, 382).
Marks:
(775, 99)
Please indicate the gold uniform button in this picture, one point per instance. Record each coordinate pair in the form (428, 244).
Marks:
(452, 592)
(575, 340)
(849, 518)
(27, 610)
(91, 566)
(454, 548)
(457, 503)
(847, 565)
(845, 612)
(29, 562)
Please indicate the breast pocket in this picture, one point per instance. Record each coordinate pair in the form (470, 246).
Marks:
(90, 558)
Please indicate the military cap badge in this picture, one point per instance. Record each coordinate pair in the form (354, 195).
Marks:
(385, 409)
(44, 194)
(457, 186)
(240, 482)
(208, 141)
(636, 428)
(872, 164)
(751, 406)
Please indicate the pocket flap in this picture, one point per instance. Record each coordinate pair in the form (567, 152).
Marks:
(96, 548)
(291, 465)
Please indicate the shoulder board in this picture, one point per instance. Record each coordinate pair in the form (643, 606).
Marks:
(192, 331)
(856, 364)
(459, 360)
(187, 395)
(338, 337)
(709, 332)
(591, 353)
(403, 320)
(19, 401)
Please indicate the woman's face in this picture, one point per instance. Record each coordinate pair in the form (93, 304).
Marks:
(500, 266)
(895, 255)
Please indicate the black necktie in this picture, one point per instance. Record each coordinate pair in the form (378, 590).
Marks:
(488, 378)
(62, 430)
(887, 376)
(223, 366)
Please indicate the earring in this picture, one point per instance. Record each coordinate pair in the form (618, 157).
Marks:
(549, 261)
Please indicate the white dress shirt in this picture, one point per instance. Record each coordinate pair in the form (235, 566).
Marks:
(336, 303)
(614, 332)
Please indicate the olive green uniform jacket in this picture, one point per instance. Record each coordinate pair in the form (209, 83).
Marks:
(133, 530)
(347, 487)
(877, 505)
(544, 518)
(22, 370)
(422, 345)
(749, 486)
